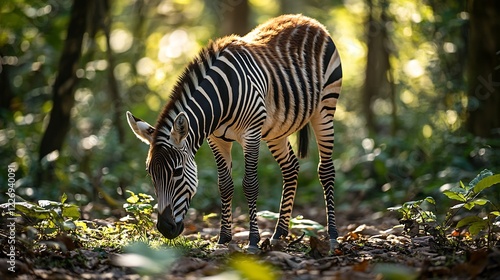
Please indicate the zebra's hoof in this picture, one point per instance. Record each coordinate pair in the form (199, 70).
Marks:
(252, 249)
(334, 244)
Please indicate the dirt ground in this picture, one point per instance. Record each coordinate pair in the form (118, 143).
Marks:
(372, 246)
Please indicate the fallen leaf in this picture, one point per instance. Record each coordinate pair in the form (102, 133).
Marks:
(351, 236)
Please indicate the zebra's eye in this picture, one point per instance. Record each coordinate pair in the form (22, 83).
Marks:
(177, 171)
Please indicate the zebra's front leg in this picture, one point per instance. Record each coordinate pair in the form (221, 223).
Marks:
(226, 189)
(222, 153)
(251, 188)
(283, 153)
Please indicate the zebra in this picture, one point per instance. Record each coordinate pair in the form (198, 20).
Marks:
(279, 79)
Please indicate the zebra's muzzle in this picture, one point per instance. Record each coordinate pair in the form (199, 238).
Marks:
(167, 226)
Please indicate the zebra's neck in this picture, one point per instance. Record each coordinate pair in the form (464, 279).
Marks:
(203, 119)
(196, 95)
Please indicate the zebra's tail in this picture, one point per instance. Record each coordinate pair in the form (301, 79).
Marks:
(303, 141)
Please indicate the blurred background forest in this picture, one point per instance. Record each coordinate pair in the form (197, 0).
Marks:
(419, 111)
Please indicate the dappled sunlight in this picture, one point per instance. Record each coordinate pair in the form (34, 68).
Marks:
(154, 103)
(342, 24)
(89, 142)
(145, 66)
(97, 65)
(413, 68)
(121, 40)
(122, 71)
(266, 8)
(449, 47)
(174, 45)
(427, 131)
(408, 98)
(356, 6)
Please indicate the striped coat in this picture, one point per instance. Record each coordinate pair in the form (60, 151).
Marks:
(280, 78)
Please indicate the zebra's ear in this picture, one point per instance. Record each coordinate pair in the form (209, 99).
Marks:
(142, 129)
(179, 129)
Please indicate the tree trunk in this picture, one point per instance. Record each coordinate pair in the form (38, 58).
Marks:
(114, 93)
(64, 85)
(235, 17)
(6, 94)
(484, 68)
(377, 64)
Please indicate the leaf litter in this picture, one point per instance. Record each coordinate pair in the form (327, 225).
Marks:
(372, 247)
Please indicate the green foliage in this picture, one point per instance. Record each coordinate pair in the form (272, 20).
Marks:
(480, 223)
(139, 206)
(468, 196)
(58, 225)
(50, 216)
(413, 210)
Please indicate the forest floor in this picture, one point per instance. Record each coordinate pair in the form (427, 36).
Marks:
(372, 246)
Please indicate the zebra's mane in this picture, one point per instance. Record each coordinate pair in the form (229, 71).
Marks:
(193, 74)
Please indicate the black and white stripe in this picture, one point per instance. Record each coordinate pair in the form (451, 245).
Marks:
(276, 80)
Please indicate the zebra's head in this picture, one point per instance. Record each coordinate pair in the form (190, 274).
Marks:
(172, 168)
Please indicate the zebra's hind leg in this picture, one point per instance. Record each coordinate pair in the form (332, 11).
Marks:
(322, 124)
(251, 186)
(289, 165)
(222, 153)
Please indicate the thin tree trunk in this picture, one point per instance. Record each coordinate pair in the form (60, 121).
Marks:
(235, 17)
(377, 65)
(141, 9)
(5, 88)
(114, 93)
(484, 68)
(64, 85)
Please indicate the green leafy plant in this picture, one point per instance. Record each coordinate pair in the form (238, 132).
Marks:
(469, 198)
(413, 210)
(50, 216)
(139, 211)
(418, 219)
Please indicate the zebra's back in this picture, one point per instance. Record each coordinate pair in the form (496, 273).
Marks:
(300, 61)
